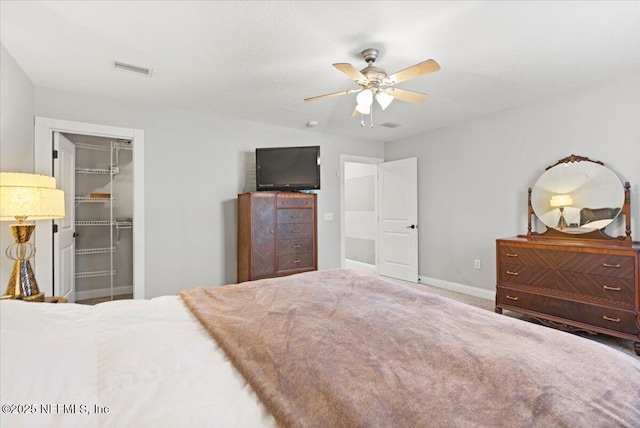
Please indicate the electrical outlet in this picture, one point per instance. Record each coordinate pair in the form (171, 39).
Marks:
(476, 264)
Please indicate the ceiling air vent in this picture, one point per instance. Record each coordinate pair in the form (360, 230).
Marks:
(391, 125)
(134, 68)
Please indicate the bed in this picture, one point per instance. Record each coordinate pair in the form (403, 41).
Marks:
(325, 348)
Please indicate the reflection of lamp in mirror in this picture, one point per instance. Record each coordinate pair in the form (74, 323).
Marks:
(561, 201)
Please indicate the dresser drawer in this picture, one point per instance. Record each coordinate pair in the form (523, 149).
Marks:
(510, 274)
(527, 256)
(297, 201)
(602, 316)
(295, 215)
(295, 261)
(598, 286)
(294, 246)
(295, 230)
(597, 264)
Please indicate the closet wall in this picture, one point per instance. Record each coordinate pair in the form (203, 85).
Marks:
(103, 217)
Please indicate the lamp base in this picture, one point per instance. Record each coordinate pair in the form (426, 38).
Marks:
(22, 283)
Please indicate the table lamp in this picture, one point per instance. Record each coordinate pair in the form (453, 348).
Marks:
(561, 201)
(23, 196)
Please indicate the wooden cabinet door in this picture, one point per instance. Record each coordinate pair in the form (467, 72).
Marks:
(263, 236)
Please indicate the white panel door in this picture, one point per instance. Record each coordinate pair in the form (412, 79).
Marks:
(398, 221)
(64, 241)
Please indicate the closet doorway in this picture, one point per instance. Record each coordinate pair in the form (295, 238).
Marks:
(97, 251)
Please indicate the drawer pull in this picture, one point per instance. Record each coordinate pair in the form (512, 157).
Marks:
(611, 319)
(295, 215)
(606, 287)
(295, 231)
(511, 297)
(610, 266)
(296, 261)
(298, 246)
(512, 273)
(511, 255)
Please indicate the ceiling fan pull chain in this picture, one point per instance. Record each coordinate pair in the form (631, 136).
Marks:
(371, 115)
(362, 120)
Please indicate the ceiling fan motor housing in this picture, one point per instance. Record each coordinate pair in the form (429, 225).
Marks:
(375, 75)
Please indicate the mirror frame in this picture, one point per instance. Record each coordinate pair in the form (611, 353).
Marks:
(598, 234)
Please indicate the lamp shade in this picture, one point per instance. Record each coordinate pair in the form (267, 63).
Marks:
(561, 201)
(31, 196)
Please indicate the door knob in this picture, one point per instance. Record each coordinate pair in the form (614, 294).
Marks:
(75, 234)
(413, 226)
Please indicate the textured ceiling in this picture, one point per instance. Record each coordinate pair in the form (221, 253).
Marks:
(258, 60)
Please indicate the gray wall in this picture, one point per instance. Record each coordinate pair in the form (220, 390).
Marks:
(16, 138)
(195, 165)
(473, 176)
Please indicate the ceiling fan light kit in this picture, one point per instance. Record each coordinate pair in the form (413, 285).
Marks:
(376, 84)
(364, 100)
(384, 99)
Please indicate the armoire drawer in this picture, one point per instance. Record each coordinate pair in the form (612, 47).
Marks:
(597, 264)
(586, 313)
(295, 230)
(295, 215)
(527, 256)
(294, 246)
(284, 201)
(295, 261)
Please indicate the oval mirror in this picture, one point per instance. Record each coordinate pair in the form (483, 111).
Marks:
(577, 197)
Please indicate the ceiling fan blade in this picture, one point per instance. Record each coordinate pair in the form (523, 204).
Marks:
(351, 71)
(425, 67)
(355, 113)
(335, 94)
(408, 96)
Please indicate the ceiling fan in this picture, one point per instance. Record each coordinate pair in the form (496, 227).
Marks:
(376, 84)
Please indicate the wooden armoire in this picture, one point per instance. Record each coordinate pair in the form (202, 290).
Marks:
(277, 234)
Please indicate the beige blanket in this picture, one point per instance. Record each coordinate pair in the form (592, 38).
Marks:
(339, 349)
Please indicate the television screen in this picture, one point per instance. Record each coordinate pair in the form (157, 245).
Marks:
(288, 168)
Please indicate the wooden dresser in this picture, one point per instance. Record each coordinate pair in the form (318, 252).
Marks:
(574, 276)
(277, 234)
(593, 287)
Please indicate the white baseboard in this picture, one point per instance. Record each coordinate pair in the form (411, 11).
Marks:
(460, 288)
(103, 292)
(359, 266)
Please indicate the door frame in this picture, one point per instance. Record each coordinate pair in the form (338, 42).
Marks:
(354, 159)
(44, 129)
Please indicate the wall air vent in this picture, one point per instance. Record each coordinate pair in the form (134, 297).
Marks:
(391, 125)
(133, 68)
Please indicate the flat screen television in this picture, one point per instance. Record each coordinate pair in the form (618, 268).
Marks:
(288, 168)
